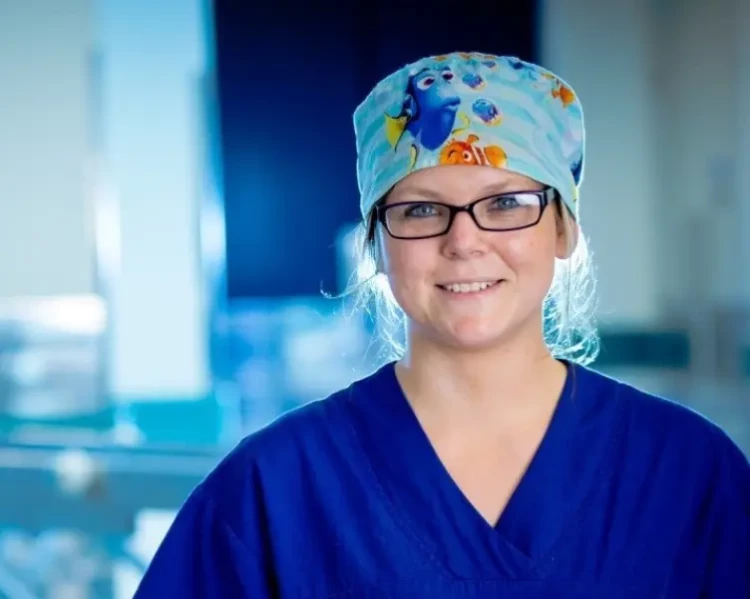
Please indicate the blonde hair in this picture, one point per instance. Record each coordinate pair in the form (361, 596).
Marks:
(570, 305)
(568, 311)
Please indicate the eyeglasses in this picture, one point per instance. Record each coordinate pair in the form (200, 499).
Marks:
(499, 212)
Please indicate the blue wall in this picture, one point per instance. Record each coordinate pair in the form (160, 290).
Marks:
(289, 82)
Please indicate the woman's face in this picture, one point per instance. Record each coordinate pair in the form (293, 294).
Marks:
(517, 265)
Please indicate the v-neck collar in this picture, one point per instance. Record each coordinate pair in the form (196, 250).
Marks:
(430, 506)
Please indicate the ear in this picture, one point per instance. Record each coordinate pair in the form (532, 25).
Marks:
(567, 232)
(377, 251)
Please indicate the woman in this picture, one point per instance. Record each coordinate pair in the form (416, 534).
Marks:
(488, 460)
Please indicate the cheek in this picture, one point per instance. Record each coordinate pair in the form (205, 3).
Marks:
(531, 255)
(406, 259)
(407, 267)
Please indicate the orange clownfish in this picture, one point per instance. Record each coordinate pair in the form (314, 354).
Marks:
(565, 94)
(468, 153)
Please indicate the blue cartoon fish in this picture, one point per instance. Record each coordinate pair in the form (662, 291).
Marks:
(474, 80)
(516, 63)
(524, 69)
(428, 111)
(486, 111)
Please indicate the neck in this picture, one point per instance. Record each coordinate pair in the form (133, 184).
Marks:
(506, 381)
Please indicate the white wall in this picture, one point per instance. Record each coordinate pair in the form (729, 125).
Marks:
(602, 49)
(695, 87)
(663, 199)
(46, 221)
(742, 75)
(101, 176)
(152, 56)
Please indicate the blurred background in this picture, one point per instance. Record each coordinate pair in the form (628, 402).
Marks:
(177, 186)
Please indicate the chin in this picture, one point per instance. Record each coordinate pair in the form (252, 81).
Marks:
(474, 336)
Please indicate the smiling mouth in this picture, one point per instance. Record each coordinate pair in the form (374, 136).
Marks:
(477, 287)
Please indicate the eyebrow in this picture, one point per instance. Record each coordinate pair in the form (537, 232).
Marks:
(493, 188)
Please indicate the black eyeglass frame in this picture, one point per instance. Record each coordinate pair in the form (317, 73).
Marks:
(546, 197)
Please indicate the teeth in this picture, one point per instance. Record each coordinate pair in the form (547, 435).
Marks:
(468, 287)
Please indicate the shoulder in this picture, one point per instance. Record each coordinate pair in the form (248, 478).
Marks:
(274, 477)
(259, 501)
(654, 426)
(284, 455)
(285, 443)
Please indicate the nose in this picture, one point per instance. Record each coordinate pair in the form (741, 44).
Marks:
(464, 239)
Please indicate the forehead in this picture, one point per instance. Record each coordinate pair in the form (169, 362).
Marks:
(461, 183)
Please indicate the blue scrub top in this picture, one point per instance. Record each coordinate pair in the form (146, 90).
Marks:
(628, 496)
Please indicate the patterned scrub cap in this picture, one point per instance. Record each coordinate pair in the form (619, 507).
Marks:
(472, 109)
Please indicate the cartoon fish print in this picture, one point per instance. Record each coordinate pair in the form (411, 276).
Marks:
(576, 169)
(413, 154)
(474, 80)
(429, 110)
(496, 156)
(463, 123)
(524, 70)
(519, 65)
(486, 111)
(546, 149)
(572, 140)
(563, 93)
(470, 154)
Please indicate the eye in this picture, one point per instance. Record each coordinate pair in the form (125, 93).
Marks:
(506, 202)
(426, 83)
(467, 156)
(447, 75)
(419, 210)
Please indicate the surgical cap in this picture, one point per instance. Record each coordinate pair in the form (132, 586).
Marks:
(470, 109)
